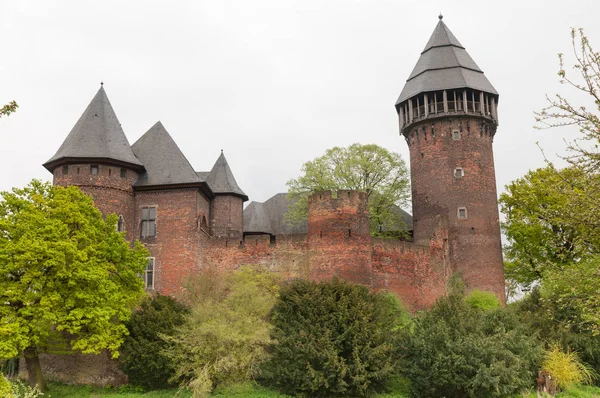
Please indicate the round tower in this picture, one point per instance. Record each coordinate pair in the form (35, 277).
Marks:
(448, 115)
(97, 158)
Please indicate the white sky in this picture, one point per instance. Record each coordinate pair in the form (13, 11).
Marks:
(273, 83)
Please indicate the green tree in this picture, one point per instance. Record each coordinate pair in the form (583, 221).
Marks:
(8, 108)
(333, 339)
(549, 224)
(456, 350)
(65, 274)
(369, 168)
(225, 337)
(141, 358)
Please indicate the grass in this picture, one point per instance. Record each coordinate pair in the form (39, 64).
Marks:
(83, 391)
(578, 391)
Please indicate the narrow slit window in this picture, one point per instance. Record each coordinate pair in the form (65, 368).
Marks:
(65, 170)
(123, 172)
(149, 274)
(94, 170)
(148, 225)
(121, 224)
(462, 213)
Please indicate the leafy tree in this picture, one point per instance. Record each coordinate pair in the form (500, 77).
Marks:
(141, 357)
(8, 108)
(333, 339)
(65, 274)
(548, 223)
(456, 350)
(483, 300)
(369, 168)
(224, 339)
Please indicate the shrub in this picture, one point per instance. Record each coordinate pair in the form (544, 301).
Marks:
(5, 387)
(456, 350)
(482, 300)
(141, 358)
(565, 368)
(224, 339)
(333, 339)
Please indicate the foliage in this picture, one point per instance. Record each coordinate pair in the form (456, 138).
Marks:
(562, 111)
(369, 168)
(8, 108)
(482, 300)
(246, 390)
(460, 351)
(64, 271)
(141, 358)
(565, 368)
(559, 322)
(20, 390)
(59, 390)
(5, 388)
(333, 339)
(548, 224)
(224, 339)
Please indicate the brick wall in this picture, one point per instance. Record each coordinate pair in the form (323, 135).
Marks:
(227, 216)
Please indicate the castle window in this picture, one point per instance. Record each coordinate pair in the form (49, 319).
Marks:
(458, 172)
(78, 170)
(462, 213)
(94, 170)
(65, 170)
(456, 135)
(148, 221)
(109, 171)
(121, 224)
(149, 274)
(123, 172)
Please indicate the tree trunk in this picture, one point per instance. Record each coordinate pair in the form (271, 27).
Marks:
(34, 369)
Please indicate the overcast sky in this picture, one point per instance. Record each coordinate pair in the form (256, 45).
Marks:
(272, 83)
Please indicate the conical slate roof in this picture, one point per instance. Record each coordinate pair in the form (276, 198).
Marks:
(221, 180)
(97, 135)
(444, 65)
(164, 162)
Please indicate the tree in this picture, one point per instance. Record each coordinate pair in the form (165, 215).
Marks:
(141, 358)
(369, 168)
(333, 339)
(549, 222)
(8, 108)
(66, 275)
(225, 337)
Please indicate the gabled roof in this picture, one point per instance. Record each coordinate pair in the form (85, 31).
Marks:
(97, 135)
(221, 180)
(444, 65)
(164, 162)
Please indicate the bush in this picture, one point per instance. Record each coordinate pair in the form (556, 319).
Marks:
(5, 387)
(141, 358)
(333, 339)
(565, 368)
(224, 339)
(482, 300)
(456, 350)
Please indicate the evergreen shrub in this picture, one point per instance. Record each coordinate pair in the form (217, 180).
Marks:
(141, 356)
(333, 339)
(456, 350)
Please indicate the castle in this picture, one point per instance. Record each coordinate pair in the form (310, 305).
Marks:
(193, 219)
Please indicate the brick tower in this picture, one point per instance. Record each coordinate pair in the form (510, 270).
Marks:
(448, 116)
(97, 158)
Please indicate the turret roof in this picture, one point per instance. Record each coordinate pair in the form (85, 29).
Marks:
(97, 135)
(221, 180)
(164, 162)
(444, 64)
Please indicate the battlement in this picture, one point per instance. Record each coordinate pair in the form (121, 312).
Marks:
(339, 197)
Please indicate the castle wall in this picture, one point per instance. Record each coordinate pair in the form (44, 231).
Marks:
(179, 239)
(474, 242)
(111, 192)
(227, 216)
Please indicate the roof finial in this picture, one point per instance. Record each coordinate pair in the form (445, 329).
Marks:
(101, 84)
(440, 16)
(221, 151)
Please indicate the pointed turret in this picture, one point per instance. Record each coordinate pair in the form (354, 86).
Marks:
(96, 137)
(445, 81)
(164, 162)
(221, 179)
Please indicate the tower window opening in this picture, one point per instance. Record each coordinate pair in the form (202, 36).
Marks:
(462, 213)
(149, 274)
(320, 234)
(456, 135)
(109, 171)
(458, 172)
(78, 170)
(349, 232)
(123, 172)
(94, 170)
(148, 224)
(65, 170)
(121, 224)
